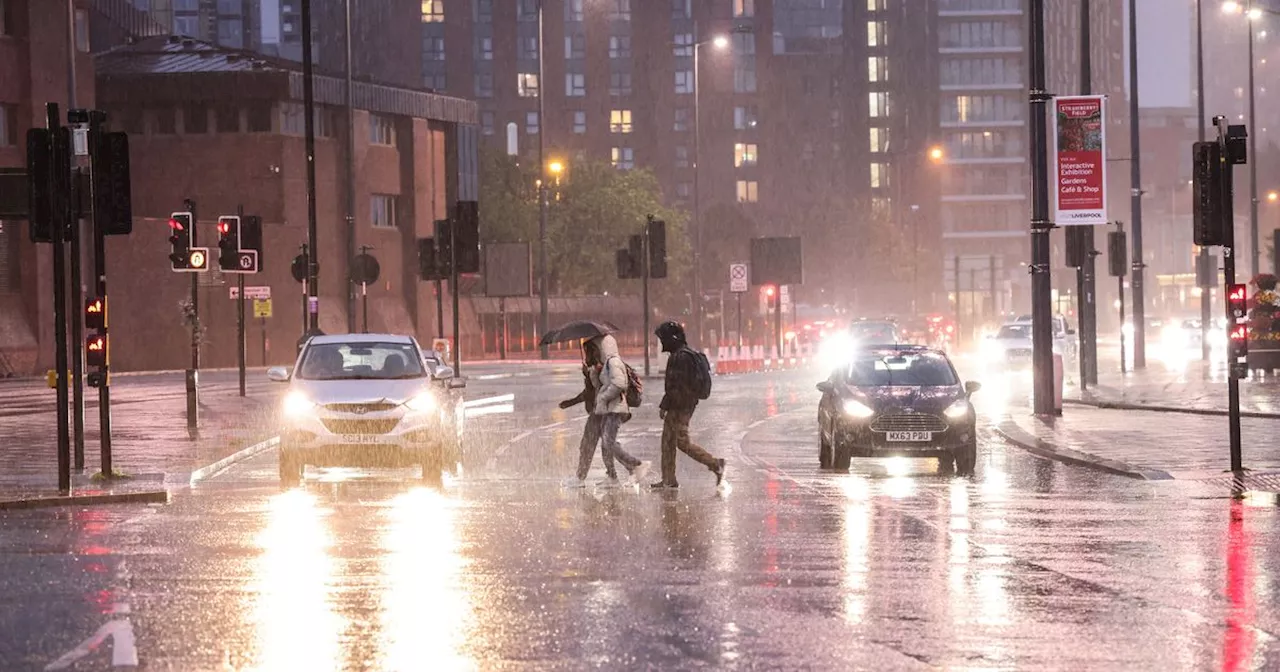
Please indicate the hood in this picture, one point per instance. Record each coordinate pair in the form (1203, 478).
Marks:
(361, 391)
(672, 343)
(921, 399)
(608, 347)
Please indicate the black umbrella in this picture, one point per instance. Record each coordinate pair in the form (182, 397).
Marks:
(576, 331)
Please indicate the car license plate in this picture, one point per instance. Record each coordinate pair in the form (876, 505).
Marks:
(907, 437)
(364, 439)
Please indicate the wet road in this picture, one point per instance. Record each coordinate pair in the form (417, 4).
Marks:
(1031, 564)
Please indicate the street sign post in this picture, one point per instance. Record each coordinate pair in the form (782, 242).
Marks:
(739, 280)
(262, 308)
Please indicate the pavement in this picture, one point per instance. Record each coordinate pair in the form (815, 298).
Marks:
(1033, 563)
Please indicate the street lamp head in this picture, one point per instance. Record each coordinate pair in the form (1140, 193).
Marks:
(1272, 196)
(936, 154)
(1232, 7)
(720, 42)
(555, 167)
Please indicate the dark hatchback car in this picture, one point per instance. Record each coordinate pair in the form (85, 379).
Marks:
(897, 401)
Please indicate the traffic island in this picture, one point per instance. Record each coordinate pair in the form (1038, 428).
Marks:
(145, 497)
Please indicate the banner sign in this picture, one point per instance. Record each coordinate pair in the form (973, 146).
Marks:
(1080, 160)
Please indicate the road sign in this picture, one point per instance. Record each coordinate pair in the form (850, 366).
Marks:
(246, 262)
(739, 280)
(197, 260)
(262, 308)
(257, 293)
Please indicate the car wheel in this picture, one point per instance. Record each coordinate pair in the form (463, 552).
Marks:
(966, 457)
(824, 450)
(843, 452)
(291, 466)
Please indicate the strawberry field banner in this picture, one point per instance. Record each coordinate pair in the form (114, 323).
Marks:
(1080, 160)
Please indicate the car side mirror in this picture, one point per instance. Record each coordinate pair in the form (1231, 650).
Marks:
(457, 383)
(278, 374)
(972, 386)
(825, 387)
(444, 372)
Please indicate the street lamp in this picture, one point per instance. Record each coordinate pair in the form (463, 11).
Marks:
(1252, 13)
(721, 43)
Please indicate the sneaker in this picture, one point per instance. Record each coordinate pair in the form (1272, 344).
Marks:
(574, 482)
(719, 471)
(660, 485)
(640, 471)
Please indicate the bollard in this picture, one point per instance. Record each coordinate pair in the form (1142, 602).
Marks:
(193, 430)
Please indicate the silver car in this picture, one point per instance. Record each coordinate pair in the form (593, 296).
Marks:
(369, 400)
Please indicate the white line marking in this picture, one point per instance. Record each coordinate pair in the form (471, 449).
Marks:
(124, 653)
(501, 398)
(489, 410)
(524, 435)
(214, 469)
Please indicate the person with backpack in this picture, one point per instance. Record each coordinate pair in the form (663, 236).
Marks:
(688, 381)
(605, 396)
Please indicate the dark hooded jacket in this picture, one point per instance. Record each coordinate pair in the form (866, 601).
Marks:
(681, 382)
(587, 397)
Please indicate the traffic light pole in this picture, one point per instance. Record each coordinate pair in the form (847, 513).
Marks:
(1139, 265)
(309, 131)
(738, 295)
(100, 274)
(77, 329)
(453, 285)
(1206, 293)
(240, 337)
(644, 289)
(1041, 310)
(193, 373)
(1086, 274)
(1229, 274)
(58, 224)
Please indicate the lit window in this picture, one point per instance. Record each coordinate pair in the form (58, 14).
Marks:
(620, 121)
(876, 5)
(531, 123)
(575, 84)
(876, 34)
(877, 69)
(879, 175)
(382, 211)
(622, 158)
(684, 81)
(744, 8)
(748, 191)
(878, 104)
(579, 122)
(744, 154)
(879, 139)
(527, 84)
(432, 11)
(381, 130)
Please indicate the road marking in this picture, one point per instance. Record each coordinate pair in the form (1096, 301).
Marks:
(498, 399)
(209, 471)
(124, 653)
(524, 435)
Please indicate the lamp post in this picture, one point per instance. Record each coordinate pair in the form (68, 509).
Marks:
(719, 42)
(543, 325)
(1252, 13)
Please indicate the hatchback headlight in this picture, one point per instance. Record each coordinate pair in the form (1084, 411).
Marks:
(297, 404)
(959, 409)
(422, 403)
(856, 409)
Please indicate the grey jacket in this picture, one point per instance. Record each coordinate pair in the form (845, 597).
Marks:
(611, 380)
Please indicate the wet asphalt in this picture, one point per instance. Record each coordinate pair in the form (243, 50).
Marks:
(1030, 564)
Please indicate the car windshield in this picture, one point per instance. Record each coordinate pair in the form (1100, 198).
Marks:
(874, 333)
(909, 369)
(361, 361)
(1015, 331)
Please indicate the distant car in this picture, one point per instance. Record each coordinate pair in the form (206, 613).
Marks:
(875, 332)
(897, 401)
(1011, 345)
(369, 400)
(838, 346)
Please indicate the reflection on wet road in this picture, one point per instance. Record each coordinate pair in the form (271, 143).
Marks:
(1031, 564)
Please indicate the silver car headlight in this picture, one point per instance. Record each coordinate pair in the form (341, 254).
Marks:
(422, 403)
(296, 404)
(960, 409)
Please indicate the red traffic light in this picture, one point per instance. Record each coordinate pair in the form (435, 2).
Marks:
(769, 290)
(95, 344)
(1237, 300)
(176, 225)
(1239, 332)
(223, 227)
(95, 350)
(93, 306)
(95, 313)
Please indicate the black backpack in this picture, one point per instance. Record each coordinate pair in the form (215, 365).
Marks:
(702, 374)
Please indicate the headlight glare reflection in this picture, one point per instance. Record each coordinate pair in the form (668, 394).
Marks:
(856, 409)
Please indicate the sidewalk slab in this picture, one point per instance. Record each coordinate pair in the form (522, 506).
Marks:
(1143, 444)
(1182, 385)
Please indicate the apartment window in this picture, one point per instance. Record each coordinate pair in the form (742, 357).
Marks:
(620, 121)
(579, 122)
(382, 130)
(744, 78)
(877, 69)
(682, 156)
(744, 154)
(745, 117)
(527, 85)
(186, 5)
(683, 190)
(575, 84)
(484, 48)
(879, 175)
(484, 11)
(226, 119)
(622, 158)
(806, 153)
(484, 85)
(527, 10)
(680, 9)
(744, 8)
(434, 81)
(195, 119)
(620, 10)
(432, 11)
(531, 126)
(619, 46)
(980, 34)
(984, 144)
(684, 81)
(619, 83)
(528, 48)
(835, 118)
(683, 45)
(876, 5)
(878, 103)
(189, 26)
(748, 191)
(743, 44)
(8, 124)
(433, 48)
(573, 10)
(876, 33)
(575, 46)
(879, 138)
(681, 119)
(486, 123)
(382, 211)
(966, 109)
(981, 71)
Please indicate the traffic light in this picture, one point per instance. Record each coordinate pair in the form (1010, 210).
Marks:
(1275, 250)
(298, 268)
(467, 236)
(1207, 195)
(428, 260)
(95, 313)
(1079, 242)
(113, 200)
(180, 226)
(657, 248)
(1237, 301)
(95, 350)
(628, 265)
(229, 243)
(444, 247)
(1117, 254)
(251, 238)
(39, 196)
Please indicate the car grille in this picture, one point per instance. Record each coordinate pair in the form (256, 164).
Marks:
(360, 408)
(360, 426)
(1018, 352)
(908, 422)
